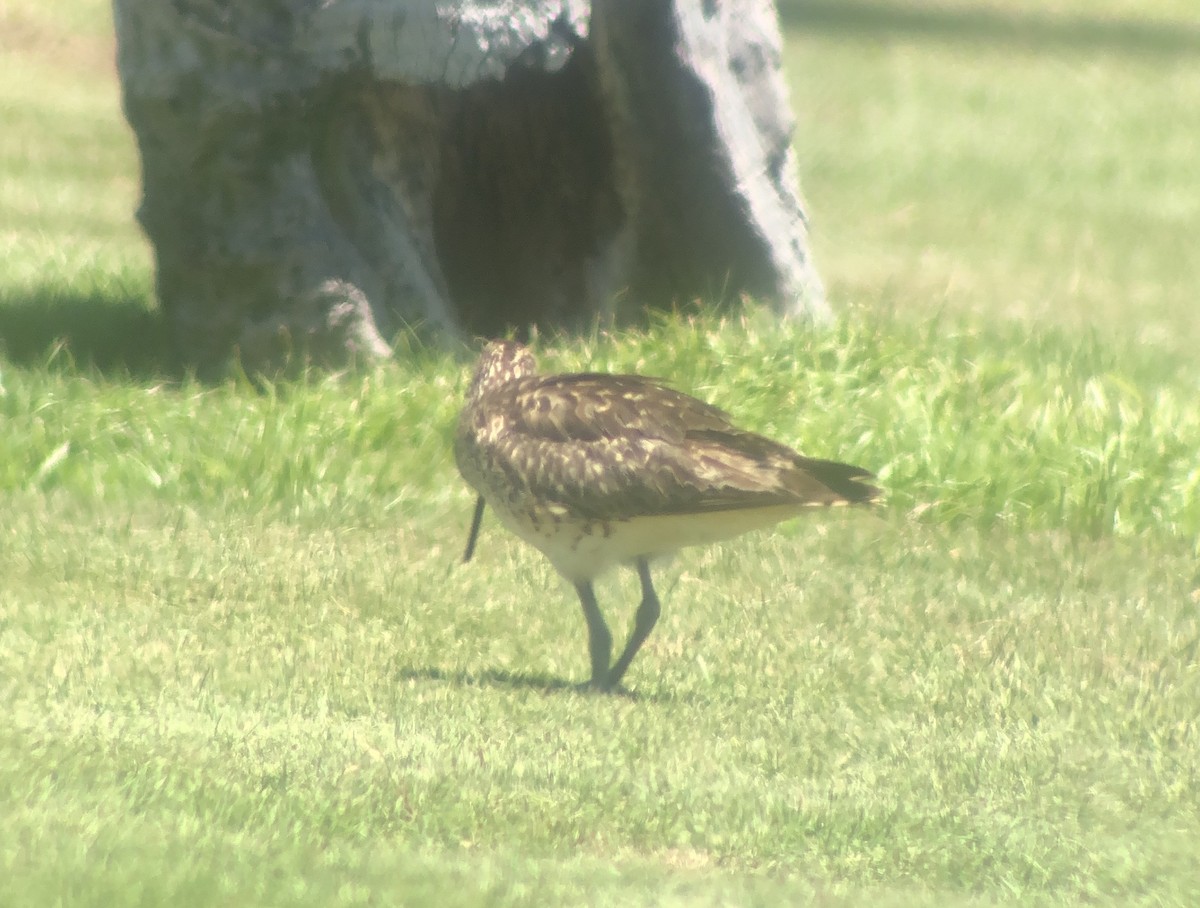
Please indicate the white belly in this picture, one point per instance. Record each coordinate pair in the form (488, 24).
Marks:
(580, 550)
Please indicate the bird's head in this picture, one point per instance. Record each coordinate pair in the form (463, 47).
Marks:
(500, 362)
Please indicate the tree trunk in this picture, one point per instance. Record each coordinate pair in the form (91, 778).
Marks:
(319, 175)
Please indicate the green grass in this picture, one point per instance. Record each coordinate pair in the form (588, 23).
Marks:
(240, 664)
(1006, 161)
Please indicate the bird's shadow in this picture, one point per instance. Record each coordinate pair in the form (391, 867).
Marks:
(501, 678)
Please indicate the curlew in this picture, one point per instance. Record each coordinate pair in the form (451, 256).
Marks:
(596, 470)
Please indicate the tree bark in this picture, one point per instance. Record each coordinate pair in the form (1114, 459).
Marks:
(319, 175)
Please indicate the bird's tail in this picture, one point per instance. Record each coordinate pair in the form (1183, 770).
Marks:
(843, 479)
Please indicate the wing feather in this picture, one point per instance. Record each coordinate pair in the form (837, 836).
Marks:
(617, 446)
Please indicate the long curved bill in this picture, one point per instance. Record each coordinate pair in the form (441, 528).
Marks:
(475, 522)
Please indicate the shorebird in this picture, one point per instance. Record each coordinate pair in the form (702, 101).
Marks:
(597, 469)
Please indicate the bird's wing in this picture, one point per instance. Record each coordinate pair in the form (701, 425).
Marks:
(616, 446)
(586, 406)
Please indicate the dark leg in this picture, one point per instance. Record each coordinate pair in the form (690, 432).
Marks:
(599, 638)
(647, 617)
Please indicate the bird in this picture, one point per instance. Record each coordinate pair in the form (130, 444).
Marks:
(601, 469)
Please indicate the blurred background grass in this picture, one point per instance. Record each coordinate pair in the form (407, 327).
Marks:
(1017, 160)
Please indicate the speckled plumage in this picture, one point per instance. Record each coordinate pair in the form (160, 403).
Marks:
(596, 469)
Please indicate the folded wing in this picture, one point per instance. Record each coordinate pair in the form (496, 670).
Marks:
(614, 446)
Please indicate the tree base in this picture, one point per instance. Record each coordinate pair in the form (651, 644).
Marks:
(318, 177)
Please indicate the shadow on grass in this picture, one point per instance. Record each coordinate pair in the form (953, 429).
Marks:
(114, 336)
(992, 25)
(499, 678)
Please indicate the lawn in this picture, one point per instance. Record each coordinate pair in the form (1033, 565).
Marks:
(241, 664)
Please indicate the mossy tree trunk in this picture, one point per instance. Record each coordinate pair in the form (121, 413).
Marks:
(319, 175)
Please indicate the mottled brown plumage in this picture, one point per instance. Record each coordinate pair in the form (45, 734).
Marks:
(596, 469)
